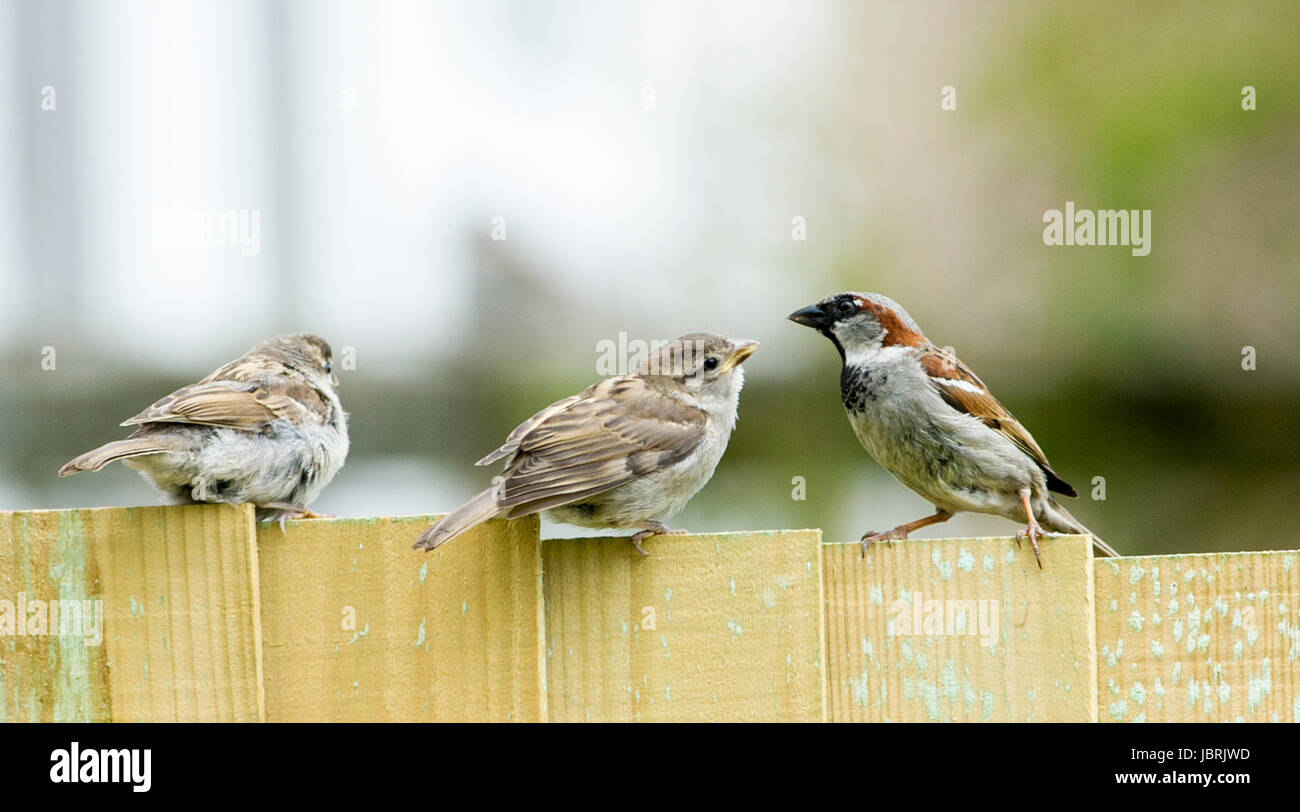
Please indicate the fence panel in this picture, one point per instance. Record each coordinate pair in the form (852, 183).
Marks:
(179, 615)
(978, 633)
(722, 627)
(357, 626)
(1199, 638)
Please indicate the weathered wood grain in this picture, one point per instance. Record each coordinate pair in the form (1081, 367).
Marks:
(905, 641)
(723, 627)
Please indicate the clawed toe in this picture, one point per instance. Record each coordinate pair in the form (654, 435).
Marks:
(872, 537)
(1033, 532)
(636, 540)
(656, 530)
(281, 512)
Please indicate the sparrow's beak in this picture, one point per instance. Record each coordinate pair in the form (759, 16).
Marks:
(743, 349)
(334, 379)
(811, 316)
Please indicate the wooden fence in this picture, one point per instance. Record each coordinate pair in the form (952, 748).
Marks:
(209, 616)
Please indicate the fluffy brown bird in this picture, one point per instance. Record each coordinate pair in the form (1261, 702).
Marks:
(267, 428)
(629, 451)
(936, 427)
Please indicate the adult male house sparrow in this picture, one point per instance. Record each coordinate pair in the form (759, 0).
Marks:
(266, 428)
(629, 451)
(935, 426)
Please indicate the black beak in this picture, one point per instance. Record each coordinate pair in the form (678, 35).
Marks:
(811, 316)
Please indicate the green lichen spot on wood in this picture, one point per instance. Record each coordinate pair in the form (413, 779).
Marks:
(73, 700)
(941, 564)
(1118, 710)
(965, 560)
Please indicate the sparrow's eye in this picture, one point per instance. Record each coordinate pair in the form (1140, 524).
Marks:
(329, 368)
(710, 363)
(846, 307)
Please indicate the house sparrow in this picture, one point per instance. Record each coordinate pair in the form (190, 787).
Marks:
(627, 452)
(936, 427)
(266, 428)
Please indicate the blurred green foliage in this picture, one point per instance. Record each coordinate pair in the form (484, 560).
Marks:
(1123, 367)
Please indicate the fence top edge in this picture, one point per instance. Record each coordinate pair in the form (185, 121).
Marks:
(123, 508)
(952, 539)
(721, 534)
(1115, 562)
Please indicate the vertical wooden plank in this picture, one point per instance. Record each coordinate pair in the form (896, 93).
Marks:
(723, 627)
(179, 617)
(360, 627)
(1199, 638)
(960, 630)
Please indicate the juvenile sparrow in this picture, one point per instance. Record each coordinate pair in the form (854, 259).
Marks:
(266, 428)
(629, 451)
(936, 427)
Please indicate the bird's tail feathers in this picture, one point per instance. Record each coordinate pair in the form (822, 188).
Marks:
(1102, 547)
(116, 450)
(477, 510)
(1058, 520)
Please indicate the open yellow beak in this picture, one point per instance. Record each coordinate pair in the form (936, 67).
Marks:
(743, 349)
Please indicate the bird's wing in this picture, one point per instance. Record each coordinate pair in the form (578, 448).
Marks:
(966, 393)
(616, 431)
(511, 445)
(243, 405)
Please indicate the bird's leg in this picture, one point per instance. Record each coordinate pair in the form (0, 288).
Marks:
(653, 529)
(1032, 531)
(902, 530)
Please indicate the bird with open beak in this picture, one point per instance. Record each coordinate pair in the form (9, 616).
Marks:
(936, 427)
(627, 452)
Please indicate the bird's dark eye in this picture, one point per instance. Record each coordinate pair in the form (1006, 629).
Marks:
(329, 368)
(846, 307)
(710, 363)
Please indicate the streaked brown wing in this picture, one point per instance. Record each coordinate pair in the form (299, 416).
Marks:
(511, 445)
(962, 390)
(243, 405)
(617, 430)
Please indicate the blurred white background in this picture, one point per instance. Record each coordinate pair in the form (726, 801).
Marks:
(647, 159)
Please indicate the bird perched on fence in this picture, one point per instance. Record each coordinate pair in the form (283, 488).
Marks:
(629, 451)
(936, 427)
(267, 428)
